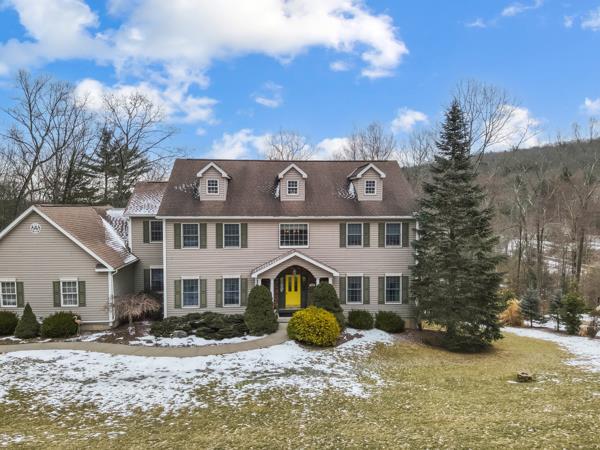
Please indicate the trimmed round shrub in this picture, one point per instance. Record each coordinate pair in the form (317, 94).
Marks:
(59, 325)
(324, 296)
(360, 319)
(389, 321)
(314, 326)
(8, 323)
(260, 316)
(28, 326)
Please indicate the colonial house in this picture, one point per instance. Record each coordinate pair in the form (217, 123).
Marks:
(214, 230)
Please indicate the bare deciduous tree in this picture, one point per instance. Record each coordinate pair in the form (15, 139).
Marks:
(372, 143)
(288, 145)
(415, 154)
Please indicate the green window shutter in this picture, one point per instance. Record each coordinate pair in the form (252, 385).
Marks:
(366, 234)
(20, 294)
(219, 292)
(146, 231)
(244, 291)
(177, 291)
(405, 234)
(366, 290)
(405, 283)
(244, 237)
(177, 234)
(56, 293)
(342, 235)
(82, 300)
(381, 291)
(381, 234)
(219, 233)
(147, 280)
(202, 235)
(343, 290)
(203, 293)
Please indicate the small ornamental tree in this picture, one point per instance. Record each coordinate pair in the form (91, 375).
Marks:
(134, 306)
(530, 306)
(455, 282)
(573, 306)
(555, 307)
(324, 296)
(28, 326)
(260, 316)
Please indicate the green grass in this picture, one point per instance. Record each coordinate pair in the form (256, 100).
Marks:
(430, 399)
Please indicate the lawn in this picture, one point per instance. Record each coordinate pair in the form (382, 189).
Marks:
(422, 397)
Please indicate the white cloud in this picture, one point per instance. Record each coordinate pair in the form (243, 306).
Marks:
(522, 130)
(477, 23)
(591, 106)
(517, 8)
(406, 119)
(242, 144)
(568, 21)
(181, 39)
(329, 147)
(339, 66)
(270, 95)
(591, 21)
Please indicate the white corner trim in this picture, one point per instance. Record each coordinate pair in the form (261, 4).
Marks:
(165, 278)
(366, 168)
(308, 259)
(290, 167)
(214, 166)
(111, 297)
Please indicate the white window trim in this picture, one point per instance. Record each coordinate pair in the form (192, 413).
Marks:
(385, 244)
(362, 300)
(182, 291)
(218, 186)
(62, 303)
(373, 193)
(183, 247)
(157, 267)
(385, 289)
(239, 235)
(361, 235)
(297, 187)
(152, 241)
(294, 246)
(9, 280)
(233, 277)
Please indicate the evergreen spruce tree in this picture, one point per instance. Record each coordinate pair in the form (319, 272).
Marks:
(102, 166)
(530, 306)
(131, 166)
(455, 282)
(555, 307)
(573, 307)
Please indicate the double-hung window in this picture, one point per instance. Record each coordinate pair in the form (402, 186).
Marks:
(189, 232)
(354, 289)
(354, 234)
(69, 294)
(156, 231)
(190, 291)
(370, 187)
(156, 279)
(293, 235)
(292, 187)
(8, 293)
(231, 235)
(393, 233)
(212, 186)
(392, 289)
(231, 292)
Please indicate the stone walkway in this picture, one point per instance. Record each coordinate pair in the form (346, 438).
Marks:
(278, 337)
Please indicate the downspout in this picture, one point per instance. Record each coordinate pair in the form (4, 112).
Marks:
(165, 278)
(111, 298)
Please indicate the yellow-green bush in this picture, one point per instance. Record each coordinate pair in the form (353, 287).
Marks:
(511, 316)
(314, 326)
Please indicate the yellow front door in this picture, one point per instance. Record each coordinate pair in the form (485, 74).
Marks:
(292, 291)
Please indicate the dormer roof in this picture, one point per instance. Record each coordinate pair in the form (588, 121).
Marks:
(290, 167)
(360, 171)
(214, 166)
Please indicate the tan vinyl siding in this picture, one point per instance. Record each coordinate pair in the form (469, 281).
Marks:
(212, 174)
(263, 245)
(360, 186)
(39, 259)
(123, 280)
(292, 174)
(150, 254)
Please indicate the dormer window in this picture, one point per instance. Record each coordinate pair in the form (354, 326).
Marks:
(292, 187)
(212, 186)
(370, 187)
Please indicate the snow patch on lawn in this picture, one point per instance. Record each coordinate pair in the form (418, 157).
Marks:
(585, 350)
(190, 341)
(122, 384)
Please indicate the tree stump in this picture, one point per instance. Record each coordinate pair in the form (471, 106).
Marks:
(524, 377)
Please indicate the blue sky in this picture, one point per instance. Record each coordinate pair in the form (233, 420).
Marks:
(229, 73)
